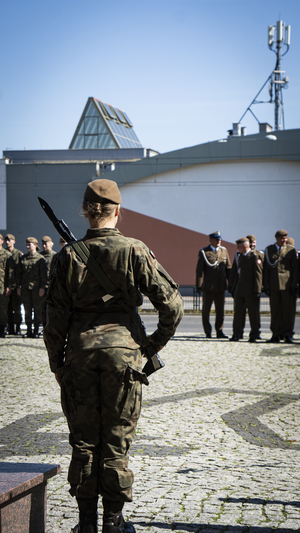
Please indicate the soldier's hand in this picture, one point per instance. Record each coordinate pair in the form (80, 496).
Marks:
(19, 291)
(41, 292)
(7, 291)
(156, 346)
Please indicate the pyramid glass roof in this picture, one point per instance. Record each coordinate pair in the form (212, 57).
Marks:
(104, 126)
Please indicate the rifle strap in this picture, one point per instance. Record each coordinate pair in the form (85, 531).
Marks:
(112, 292)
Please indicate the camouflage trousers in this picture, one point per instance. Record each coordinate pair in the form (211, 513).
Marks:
(3, 309)
(32, 302)
(14, 308)
(101, 393)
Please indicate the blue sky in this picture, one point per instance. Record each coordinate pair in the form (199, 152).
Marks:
(183, 70)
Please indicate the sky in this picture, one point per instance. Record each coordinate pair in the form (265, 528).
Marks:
(183, 70)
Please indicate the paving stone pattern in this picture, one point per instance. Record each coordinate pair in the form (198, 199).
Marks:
(218, 443)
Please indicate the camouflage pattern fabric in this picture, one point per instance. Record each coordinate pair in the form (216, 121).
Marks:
(14, 302)
(31, 272)
(96, 351)
(50, 262)
(31, 276)
(6, 280)
(32, 303)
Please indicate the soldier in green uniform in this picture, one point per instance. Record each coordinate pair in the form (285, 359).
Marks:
(212, 272)
(280, 283)
(31, 281)
(245, 284)
(14, 303)
(6, 281)
(261, 255)
(95, 350)
(48, 254)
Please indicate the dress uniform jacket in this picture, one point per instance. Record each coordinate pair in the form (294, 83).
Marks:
(280, 271)
(96, 350)
(213, 269)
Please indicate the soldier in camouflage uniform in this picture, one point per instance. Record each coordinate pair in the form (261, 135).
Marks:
(14, 303)
(48, 254)
(31, 282)
(95, 350)
(6, 281)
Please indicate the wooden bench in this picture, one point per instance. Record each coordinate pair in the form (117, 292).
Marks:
(23, 496)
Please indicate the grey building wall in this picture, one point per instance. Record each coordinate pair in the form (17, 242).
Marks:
(61, 185)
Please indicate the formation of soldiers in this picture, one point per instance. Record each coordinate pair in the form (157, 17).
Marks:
(24, 279)
(276, 272)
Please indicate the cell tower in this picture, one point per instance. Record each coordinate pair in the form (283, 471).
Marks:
(278, 81)
(278, 36)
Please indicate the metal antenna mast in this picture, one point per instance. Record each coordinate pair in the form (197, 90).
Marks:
(277, 79)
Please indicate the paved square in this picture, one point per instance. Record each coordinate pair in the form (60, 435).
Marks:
(218, 442)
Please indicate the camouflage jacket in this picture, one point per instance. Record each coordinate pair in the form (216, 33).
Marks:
(49, 258)
(6, 270)
(76, 312)
(16, 254)
(31, 272)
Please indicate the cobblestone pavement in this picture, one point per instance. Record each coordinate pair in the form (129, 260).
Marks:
(218, 443)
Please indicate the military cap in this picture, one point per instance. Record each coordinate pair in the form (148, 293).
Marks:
(33, 240)
(242, 240)
(98, 190)
(251, 238)
(62, 240)
(290, 241)
(281, 233)
(10, 237)
(46, 239)
(215, 235)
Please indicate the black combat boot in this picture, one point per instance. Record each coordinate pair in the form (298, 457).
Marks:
(10, 328)
(35, 332)
(18, 329)
(113, 520)
(28, 333)
(2, 332)
(87, 516)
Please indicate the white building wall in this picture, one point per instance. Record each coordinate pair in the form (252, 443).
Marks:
(237, 198)
(2, 195)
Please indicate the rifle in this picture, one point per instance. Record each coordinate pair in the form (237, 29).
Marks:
(154, 362)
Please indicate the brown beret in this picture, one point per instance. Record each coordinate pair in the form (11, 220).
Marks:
(98, 190)
(281, 233)
(33, 240)
(10, 236)
(242, 240)
(46, 239)
(290, 241)
(61, 240)
(251, 238)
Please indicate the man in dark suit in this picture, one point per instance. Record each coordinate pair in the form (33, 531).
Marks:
(280, 283)
(212, 272)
